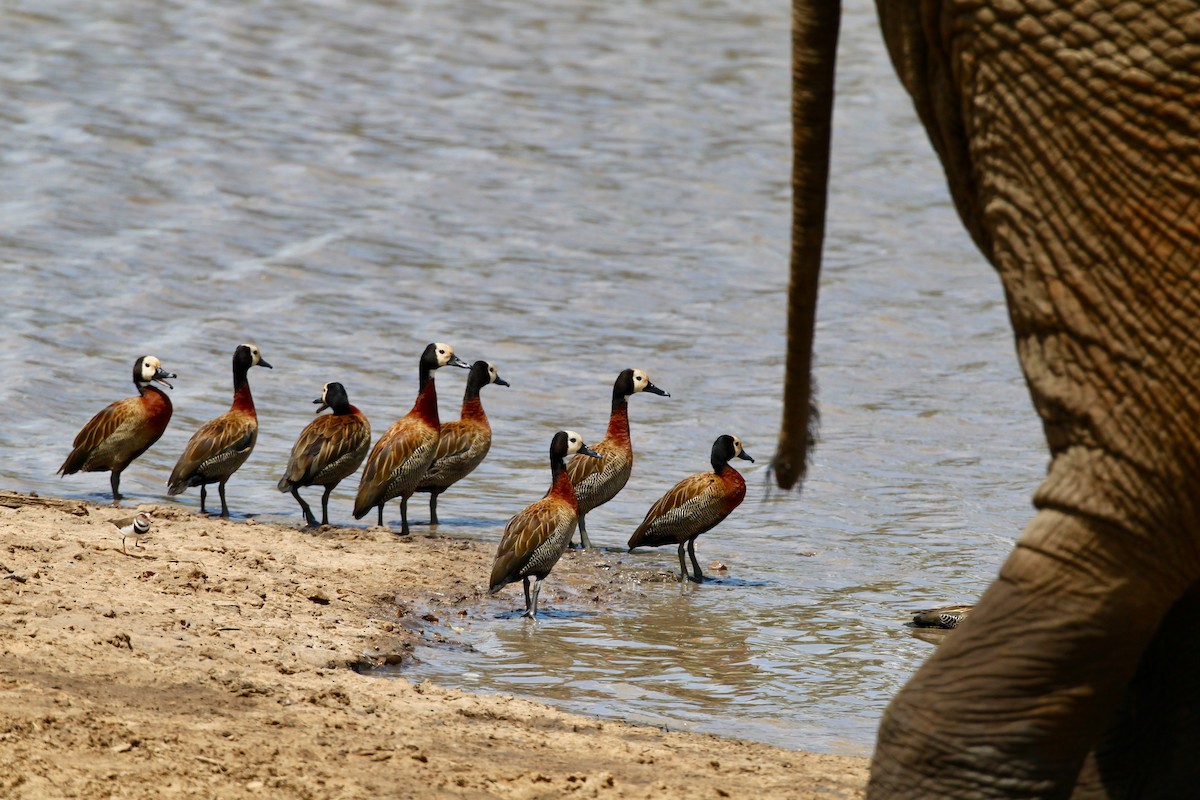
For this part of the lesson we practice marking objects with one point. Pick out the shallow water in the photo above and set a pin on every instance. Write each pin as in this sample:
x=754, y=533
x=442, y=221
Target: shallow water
x=565, y=189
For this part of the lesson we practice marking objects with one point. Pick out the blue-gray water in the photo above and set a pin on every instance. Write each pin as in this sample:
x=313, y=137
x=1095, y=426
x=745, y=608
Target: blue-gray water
x=566, y=189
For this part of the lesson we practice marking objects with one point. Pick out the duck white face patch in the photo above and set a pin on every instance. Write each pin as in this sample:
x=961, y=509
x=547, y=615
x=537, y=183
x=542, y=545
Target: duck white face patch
x=640, y=380
x=574, y=442
x=150, y=367
x=444, y=353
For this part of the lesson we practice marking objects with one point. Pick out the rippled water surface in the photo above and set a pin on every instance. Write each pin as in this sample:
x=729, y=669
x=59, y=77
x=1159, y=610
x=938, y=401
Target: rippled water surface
x=566, y=189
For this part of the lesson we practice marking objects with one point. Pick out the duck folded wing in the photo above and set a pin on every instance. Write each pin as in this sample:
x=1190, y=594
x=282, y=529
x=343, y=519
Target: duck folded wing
x=457, y=446
x=524, y=536
x=216, y=442
x=399, y=446
x=692, y=506
x=106, y=424
x=323, y=448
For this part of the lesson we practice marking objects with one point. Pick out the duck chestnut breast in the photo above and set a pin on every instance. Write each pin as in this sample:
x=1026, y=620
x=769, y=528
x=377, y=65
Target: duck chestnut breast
x=123, y=430
x=404, y=452
x=695, y=505
x=535, y=538
x=222, y=444
x=597, y=482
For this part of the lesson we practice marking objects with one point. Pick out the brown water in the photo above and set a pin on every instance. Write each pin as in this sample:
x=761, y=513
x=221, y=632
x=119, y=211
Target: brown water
x=566, y=189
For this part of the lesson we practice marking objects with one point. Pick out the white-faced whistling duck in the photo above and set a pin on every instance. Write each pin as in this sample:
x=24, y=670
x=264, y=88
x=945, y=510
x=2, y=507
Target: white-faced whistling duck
x=536, y=538
x=463, y=443
x=695, y=505
x=223, y=444
x=404, y=452
x=328, y=450
x=123, y=430
x=597, y=482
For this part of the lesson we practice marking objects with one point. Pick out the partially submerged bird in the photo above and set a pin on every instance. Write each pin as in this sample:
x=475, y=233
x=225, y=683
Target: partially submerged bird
x=328, y=450
x=597, y=482
x=123, y=430
x=463, y=443
x=223, y=444
x=932, y=625
x=536, y=538
x=945, y=617
x=404, y=452
x=137, y=526
x=695, y=505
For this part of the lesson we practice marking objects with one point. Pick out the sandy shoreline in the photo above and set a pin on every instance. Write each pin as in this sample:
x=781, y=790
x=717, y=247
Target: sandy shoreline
x=218, y=661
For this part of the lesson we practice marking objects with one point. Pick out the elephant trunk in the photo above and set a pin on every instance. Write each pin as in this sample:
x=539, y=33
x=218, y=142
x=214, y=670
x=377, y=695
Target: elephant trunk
x=814, y=48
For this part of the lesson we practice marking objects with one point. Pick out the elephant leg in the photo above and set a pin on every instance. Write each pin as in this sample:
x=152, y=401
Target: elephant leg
x=1140, y=756
x=1011, y=704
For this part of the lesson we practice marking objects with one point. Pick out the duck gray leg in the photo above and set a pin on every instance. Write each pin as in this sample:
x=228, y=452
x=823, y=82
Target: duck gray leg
x=683, y=572
x=433, y=495
x=691, y=545
x=528, y=604
x=380, y=507
x=309, y=519
x=584, y=542
x=531, y=610
x=325, y=505
x=404, y=515
x=203, y=496
x=221, y=491
x=115, y=480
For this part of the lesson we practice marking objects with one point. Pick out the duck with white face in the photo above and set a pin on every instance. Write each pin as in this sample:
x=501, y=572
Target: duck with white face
x=695, y=505
x=535, y=539
x=404, y=452
x=123, y=430
x=222, y=444
x=597, y=482
x=463, y=443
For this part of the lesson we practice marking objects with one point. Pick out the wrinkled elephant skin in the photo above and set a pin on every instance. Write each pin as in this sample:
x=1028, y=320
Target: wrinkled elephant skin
x=1070, y=137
